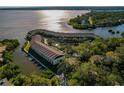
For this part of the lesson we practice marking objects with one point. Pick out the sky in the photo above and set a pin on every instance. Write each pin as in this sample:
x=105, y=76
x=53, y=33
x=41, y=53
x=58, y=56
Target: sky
x=61, y=3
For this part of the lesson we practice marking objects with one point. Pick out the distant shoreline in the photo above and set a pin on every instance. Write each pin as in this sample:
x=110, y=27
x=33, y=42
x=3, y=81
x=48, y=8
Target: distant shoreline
x=94, y=20
x=64, y=8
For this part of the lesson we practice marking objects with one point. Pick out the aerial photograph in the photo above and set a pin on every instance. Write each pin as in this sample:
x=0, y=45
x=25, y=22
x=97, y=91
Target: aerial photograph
x=62, y=46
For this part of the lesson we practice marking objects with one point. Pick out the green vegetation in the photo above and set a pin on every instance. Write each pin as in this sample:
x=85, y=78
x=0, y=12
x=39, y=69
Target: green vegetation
x=122, y=34
x=26, y=47
x=11, y=44
x=14, y=75
x=8, y=53
x=7, y=56
x=97, y=62
x=97, y=19
x=9, y=71
x=34, y=80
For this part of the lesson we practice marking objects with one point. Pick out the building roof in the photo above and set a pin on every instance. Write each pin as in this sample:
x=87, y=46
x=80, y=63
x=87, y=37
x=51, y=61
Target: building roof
x=45, y=50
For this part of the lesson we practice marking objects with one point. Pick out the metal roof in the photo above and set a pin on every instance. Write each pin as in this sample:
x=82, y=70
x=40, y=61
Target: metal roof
x=45, y=50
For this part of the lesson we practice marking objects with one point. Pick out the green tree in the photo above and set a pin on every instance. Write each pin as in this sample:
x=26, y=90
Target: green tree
x=21, y=80
x=86, y=74
x=72, y=82
x=39, y=81
x=7, y=56
x=11, y=44
x=114, y=79
x=9, y=71
x=122, y=34
x=55, y=81
x=112, y=43
x=98, y=47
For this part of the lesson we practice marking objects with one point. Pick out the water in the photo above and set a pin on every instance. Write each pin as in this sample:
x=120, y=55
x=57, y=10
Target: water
x=15, y=24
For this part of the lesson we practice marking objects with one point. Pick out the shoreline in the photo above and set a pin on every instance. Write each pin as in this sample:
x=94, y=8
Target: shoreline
x=95, y=20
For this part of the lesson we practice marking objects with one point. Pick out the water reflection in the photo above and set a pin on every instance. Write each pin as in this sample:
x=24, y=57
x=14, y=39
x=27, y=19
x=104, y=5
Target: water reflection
x=56, y=20
x=51, y=19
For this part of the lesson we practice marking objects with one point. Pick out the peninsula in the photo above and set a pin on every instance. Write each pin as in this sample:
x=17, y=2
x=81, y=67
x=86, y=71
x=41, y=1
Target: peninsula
x=97, y=19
